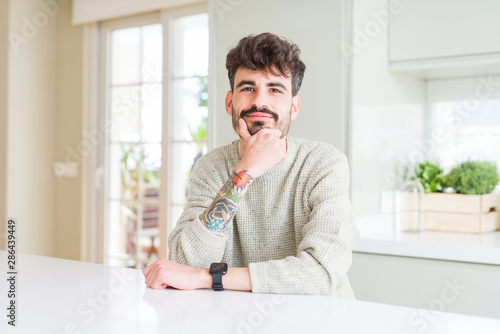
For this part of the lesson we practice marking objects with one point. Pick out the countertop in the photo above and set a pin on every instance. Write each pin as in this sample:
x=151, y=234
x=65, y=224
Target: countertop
x=377, y=236
x=62, y=296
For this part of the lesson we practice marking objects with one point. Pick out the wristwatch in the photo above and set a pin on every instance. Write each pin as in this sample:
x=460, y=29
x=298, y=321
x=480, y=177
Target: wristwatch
x=217, y=269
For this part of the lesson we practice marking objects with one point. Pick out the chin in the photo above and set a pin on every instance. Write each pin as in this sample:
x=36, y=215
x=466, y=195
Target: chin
x=256, y=127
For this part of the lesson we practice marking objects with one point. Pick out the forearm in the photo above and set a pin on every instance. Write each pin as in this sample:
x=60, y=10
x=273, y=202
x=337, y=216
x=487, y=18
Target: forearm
x=165, y=273
x=302, y=274
x=199, y=240
x=218, y=216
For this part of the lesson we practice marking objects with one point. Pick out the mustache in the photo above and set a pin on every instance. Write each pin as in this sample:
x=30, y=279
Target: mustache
x=262, y=110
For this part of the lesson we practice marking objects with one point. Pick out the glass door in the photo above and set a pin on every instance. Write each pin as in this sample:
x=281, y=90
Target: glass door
x=156, y=111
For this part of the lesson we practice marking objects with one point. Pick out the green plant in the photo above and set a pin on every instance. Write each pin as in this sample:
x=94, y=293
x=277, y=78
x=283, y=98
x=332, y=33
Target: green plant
x=202, y=94
x=129, y=172
x=473, y=177
x=430, y=175
x=199, y=133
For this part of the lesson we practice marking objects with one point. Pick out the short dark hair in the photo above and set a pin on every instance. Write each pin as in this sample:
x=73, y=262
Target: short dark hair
x=267, y=52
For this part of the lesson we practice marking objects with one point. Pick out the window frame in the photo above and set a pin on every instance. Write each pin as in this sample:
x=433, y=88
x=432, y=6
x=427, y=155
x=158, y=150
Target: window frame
x=167, y=18
x=94, y=178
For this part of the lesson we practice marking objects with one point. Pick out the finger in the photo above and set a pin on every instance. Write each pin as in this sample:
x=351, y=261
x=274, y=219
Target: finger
x=275, y=132
x=158, y=285
x=243, y=129
x=147, y=269
x=157, y=282
x=147, y=278
x=151, y=277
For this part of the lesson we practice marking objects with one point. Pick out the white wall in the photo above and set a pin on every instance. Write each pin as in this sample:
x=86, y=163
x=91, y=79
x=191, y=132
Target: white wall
x=4, y=26
x=317, y=28
x=388, y=110
x=30, y=141
x=68, y=133
x=43, y=117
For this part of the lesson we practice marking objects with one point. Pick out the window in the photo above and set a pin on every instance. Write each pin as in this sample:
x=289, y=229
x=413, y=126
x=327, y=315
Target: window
x=134, y=143
x=464, y=121
x=156, y=106
x=189, y=84
x=467, y=134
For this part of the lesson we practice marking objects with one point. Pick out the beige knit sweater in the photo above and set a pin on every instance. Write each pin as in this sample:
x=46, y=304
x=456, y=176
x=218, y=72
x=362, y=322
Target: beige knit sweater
x=293, y=228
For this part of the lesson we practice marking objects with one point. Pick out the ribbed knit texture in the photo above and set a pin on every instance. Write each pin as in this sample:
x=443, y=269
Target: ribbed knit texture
x=293, y=229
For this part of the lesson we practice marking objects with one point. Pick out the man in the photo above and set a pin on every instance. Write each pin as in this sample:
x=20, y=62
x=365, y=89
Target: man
x=275, y=209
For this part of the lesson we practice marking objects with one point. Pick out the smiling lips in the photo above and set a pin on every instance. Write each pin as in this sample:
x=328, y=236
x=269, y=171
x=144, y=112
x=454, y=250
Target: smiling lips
x=258, y=115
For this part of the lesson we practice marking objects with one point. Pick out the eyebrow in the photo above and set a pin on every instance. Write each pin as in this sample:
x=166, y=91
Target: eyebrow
x=269, y=84
x=245, y=82
x=276, y=84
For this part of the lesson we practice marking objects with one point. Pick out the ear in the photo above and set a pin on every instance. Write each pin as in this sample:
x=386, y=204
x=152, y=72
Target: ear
x=295, y=107
x=229, y=103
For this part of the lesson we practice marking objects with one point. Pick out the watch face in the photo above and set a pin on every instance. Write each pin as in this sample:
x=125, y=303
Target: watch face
x=218, y=268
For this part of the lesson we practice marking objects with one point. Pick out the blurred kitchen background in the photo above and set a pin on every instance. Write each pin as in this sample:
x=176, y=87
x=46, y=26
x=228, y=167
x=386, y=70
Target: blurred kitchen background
x=106, y=105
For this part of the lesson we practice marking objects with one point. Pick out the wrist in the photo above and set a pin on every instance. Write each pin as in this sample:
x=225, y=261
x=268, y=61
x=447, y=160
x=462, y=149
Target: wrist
x=204, y=278
x=242, y=166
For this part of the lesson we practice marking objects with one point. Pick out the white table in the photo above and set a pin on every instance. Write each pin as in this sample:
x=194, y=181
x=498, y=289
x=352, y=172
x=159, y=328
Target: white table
x=61, y=296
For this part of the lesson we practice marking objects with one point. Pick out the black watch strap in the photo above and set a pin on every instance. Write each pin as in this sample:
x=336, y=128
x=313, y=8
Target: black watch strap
x=217, y=282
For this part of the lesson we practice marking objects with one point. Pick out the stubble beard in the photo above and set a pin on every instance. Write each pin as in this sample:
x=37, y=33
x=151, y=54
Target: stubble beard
x=256, y=126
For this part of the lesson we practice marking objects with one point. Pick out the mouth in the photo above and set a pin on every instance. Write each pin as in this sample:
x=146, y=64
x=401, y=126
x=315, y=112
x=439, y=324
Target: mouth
x=259, y=115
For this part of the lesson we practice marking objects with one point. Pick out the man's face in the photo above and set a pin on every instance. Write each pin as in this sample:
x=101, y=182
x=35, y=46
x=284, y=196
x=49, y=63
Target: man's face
x=262, y=100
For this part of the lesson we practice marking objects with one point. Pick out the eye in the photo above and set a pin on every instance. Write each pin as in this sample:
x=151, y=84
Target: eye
x=247, y=89
x=275, y=90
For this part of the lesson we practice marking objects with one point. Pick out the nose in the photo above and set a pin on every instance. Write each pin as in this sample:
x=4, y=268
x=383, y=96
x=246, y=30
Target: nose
x=260, y=99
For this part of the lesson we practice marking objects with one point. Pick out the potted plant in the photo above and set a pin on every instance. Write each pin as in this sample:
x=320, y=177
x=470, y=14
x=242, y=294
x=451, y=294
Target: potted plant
x=462, y=200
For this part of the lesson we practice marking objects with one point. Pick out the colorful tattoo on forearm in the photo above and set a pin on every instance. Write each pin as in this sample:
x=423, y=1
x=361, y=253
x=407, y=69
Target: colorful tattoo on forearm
x=219, y=215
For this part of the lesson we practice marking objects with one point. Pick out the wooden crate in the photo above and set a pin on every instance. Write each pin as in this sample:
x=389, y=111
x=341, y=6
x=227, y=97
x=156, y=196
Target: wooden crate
x=461, y=213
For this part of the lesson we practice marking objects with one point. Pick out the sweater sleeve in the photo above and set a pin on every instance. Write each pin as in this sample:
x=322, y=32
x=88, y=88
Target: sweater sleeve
x=190, y=242
x=324, y=253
